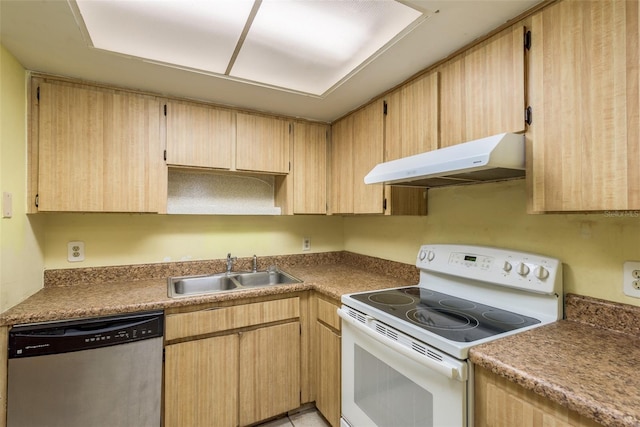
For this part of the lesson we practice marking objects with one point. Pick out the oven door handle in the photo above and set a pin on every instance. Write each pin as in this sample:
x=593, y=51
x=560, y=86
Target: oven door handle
x=440, y=366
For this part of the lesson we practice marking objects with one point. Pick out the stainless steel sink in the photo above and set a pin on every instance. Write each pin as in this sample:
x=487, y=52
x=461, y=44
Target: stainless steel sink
x=186, y=286
x=195, y=285
x=265, y=278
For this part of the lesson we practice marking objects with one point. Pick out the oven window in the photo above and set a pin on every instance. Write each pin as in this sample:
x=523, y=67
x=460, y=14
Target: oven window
x=387, y=397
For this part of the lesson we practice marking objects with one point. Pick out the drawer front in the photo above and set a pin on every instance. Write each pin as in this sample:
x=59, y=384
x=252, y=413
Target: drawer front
x=327, y=313
x=224, y=318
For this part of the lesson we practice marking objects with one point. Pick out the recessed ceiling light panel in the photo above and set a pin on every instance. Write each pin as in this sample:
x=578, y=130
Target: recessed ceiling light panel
x=307, y=46
x=198, y=34
x=311, y=45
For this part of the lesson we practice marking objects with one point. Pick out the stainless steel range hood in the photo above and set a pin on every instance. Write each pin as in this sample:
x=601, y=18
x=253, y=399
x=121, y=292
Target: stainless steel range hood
x=494, y=158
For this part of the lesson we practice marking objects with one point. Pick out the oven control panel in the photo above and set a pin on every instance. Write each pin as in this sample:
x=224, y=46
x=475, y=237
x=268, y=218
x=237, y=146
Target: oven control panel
x=515, y=269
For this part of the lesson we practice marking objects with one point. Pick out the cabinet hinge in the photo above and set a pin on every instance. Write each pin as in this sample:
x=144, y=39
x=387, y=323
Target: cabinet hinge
x=527, y=39
x=165, y=111
x=38, y=93
x=384, y=108
x=384, y=205
x=165, y=155
x=37, y=200
x=528, y=115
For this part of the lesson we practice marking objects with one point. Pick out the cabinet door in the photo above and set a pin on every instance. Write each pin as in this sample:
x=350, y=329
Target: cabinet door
x=310, y=168
x=262, y=144
x=482, y=90
x=368, y=149
x=199, y=135
x=501, y=403
x=328, y=394
x=201, y=383
x=270, y=372
x=411, y=120
x=585, y=137
x=411, y=127
x=98, y=150
x=342, y=166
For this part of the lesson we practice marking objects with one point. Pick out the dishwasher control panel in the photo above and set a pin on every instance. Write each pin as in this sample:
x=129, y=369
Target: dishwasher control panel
x=66, y=336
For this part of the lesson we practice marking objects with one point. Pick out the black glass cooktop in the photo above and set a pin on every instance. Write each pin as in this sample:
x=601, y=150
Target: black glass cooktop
x=456, y=319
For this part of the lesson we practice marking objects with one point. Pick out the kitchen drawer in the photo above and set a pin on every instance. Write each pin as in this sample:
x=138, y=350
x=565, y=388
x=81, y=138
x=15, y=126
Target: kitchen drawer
x=219, y=319
x=327, y=313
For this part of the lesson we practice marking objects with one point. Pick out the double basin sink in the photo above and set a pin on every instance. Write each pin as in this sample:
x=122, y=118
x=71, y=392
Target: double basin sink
x=186, y=286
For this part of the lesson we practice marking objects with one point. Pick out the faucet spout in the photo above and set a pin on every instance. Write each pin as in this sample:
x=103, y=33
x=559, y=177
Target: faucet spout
x=230, y=261
x=255, y=263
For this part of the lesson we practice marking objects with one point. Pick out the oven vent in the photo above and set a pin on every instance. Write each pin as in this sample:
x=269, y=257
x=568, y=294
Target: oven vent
x=357, y=316
x=425, y=351
x=387, y=332
x=408, y=342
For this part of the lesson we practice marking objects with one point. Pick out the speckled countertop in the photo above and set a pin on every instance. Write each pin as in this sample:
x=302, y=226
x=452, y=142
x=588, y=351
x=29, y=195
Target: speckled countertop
x=588, y=363
x=123, y=289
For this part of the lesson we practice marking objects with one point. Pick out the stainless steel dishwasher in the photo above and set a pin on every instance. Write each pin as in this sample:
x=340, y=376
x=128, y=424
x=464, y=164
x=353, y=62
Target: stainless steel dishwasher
x=103, y=371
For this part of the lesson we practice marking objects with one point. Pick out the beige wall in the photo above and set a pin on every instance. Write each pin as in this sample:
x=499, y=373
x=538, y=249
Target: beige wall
x=21, y=263
x=116, y=239
x=592, y=247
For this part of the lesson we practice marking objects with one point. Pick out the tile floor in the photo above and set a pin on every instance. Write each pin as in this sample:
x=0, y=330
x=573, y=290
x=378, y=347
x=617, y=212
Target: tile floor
x=307, y=418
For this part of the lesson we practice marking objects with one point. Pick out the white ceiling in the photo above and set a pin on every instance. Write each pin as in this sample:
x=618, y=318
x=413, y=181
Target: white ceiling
x=44, y=37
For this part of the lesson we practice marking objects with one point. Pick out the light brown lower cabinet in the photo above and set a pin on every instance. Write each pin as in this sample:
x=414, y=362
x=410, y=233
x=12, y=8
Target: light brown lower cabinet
x=269, y=372
x=328, y=341
x=201, y=382
x=502, y=403
x=248, y=372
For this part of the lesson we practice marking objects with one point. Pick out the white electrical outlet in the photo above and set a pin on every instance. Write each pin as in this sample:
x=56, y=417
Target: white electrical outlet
x=631, y=278
x=306, y=244
x=75, y=251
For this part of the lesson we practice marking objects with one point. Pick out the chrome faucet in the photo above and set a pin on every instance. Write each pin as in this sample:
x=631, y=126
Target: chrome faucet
x=255, y=263
x=230, y=261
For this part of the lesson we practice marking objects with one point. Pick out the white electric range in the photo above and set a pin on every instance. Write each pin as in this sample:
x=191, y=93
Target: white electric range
x=404, y=350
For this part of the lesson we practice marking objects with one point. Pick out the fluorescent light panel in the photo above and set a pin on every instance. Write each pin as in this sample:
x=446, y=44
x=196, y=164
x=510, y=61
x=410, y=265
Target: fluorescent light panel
x=306, y=46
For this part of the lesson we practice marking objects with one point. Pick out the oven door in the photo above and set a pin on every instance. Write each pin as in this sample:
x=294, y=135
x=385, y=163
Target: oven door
x=391, y=380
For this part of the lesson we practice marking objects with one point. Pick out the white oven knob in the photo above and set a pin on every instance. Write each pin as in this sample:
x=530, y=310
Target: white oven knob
x=522, y=269
x=540, y=272
x=428, y=255
x=507, y=266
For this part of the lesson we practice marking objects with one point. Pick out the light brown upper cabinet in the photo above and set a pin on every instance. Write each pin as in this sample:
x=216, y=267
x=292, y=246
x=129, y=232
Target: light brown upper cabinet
x=199, y=135
x=95, y=149
x=584, y=142
x=310, y=168
x=368, y=150
x=356, y=147
x=341, y=163
x=483, y=90
x=262, y=143
x=411, y=118
x=411, y=127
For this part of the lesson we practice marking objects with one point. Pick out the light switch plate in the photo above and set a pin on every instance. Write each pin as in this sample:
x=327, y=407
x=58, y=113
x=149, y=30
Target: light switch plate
x=631, y=278
x=7, y=205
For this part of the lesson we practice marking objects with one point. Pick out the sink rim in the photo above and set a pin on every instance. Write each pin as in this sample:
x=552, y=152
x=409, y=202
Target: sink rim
x=232, y=276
